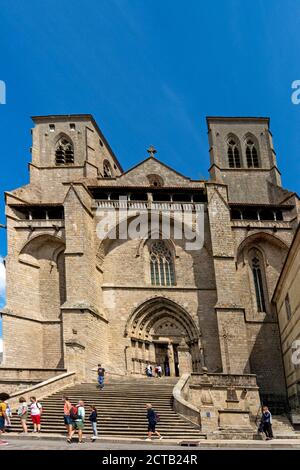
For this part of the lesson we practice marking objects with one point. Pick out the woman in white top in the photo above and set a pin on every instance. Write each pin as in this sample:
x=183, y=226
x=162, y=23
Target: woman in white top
x=35, y=412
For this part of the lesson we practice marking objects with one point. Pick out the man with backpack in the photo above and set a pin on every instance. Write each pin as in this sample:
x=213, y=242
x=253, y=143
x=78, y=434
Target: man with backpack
x=77, y=415
x=153, y=419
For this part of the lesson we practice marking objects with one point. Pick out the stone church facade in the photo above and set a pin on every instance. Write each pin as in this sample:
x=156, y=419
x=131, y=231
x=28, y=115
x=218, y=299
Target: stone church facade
x=75, y=299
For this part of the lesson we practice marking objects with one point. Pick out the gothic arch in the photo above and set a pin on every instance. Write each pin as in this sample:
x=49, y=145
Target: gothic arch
x=158, y=329
x=257, y=265
x=31, y=247
x=251, y=137
x=255, y=239
x=159, y=236
x=42, y=260
x=107, y=169
x=62, y=135
x=110, y=237
x=144, y=317
x=64, y=149
x=104, y=244
x=236, y=161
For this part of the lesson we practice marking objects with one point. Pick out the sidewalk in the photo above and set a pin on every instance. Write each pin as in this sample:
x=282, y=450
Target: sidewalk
x=52, y=441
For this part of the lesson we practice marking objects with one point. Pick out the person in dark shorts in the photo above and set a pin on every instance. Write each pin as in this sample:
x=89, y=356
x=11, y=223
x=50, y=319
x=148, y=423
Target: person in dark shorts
x=67, y=418
x=77, y=414
x=152, y=422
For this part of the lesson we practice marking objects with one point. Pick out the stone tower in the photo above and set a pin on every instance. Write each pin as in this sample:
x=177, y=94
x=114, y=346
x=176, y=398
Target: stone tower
x=242, y=156
x=252, y=220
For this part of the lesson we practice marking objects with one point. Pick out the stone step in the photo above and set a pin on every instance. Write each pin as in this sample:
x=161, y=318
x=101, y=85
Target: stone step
x=166, y=429
x=141, y=407
x=128, y=420
x=137, y=400
x=281, y=423
x=119, y=392
x=131, y=435
x=108, y=419
x=121, y=409
x=102, y=407
x=117, y=431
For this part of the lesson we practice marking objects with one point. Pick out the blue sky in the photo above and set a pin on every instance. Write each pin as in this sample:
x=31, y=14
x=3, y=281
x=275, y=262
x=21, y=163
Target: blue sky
x=149, y=72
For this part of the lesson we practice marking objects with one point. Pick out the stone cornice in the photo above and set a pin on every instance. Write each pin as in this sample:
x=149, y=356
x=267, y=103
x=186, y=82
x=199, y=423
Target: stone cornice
x=81, y=309
x=7, y=313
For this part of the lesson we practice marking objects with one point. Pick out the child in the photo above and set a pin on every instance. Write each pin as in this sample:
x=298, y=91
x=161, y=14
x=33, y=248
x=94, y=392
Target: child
x=8, y=416
x=93, y=420
x=35, y=412
x=23, y=413
x=266, y=423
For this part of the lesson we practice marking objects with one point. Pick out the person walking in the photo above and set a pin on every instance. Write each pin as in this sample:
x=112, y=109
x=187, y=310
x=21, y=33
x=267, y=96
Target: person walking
x=67, y=417
x=266, y=423
x=77, y=414
x=23, y=414
x=35, y=412
x=101, y=375
x=153, y=419
x=93, y=420
x=159, y=371
x=3, y=415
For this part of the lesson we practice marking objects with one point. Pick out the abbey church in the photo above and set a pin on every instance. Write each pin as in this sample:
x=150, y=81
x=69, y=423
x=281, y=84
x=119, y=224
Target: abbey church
x=76, y=298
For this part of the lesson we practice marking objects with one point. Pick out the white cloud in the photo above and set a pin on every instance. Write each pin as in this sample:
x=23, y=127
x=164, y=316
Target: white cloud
x=2, y=280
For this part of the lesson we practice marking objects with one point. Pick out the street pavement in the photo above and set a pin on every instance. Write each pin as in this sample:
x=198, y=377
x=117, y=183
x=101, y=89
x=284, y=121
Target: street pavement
x=39, y=443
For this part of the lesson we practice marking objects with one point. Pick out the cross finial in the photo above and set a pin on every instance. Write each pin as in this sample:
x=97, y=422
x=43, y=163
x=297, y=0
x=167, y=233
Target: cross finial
x=151, y=150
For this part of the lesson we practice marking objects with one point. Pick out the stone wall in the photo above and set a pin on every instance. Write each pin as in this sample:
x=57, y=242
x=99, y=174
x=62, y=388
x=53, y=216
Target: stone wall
x=286, y=300
x=13, y=379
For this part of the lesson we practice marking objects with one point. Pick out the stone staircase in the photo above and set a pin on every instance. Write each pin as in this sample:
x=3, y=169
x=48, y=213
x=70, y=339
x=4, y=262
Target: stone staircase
x=282, y=428
x=121, y=409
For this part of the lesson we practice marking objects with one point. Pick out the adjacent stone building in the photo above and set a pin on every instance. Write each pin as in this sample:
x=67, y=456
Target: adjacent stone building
x=76, y=297
x=287, y=301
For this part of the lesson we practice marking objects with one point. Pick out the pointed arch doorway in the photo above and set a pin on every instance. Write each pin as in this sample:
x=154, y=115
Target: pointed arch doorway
x=163, y=333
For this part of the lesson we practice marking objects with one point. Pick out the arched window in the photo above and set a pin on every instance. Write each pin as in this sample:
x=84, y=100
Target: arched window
x=64, y=152
x=155, y=180
x=258, y=283
x=161, y=265
x=107, y=173
x=233, y=153
x=251, y=154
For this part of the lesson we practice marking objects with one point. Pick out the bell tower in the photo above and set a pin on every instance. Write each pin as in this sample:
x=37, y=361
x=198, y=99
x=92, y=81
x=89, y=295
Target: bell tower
x=242, y=156
x=68, y=147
